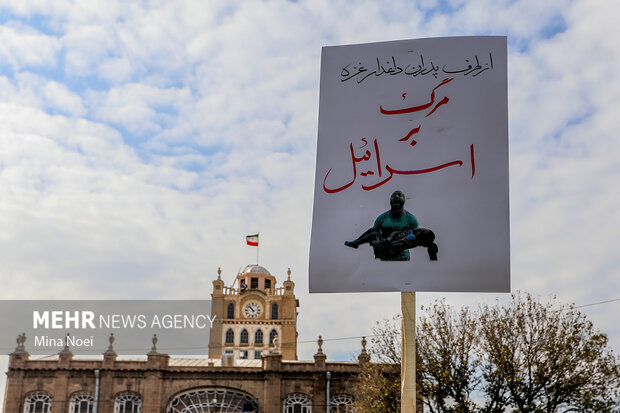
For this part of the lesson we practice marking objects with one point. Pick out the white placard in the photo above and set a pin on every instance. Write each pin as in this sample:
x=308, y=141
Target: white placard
x=428, y=117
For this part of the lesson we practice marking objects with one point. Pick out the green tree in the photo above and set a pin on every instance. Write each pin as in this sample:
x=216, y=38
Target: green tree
x=527, y=356
x=447, y=363
x=378, y=386
x=545, y=357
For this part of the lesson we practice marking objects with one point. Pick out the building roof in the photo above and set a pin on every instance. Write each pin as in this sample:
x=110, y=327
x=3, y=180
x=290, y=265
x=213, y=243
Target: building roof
x=201, y=362
x=255, y=269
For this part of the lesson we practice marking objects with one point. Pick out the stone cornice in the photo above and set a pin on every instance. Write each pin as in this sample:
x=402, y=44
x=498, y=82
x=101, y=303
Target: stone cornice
x=253, y=321
x=137, y=367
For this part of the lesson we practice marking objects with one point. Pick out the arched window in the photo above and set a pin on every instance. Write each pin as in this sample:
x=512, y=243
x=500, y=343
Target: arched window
x=39, y=402
x=213, y=400
x=258, y=338
x=297, y=403
x=275, y=311
x=82, y=403
x=244, y=337
x=230, y=310
x=230, y=336
x=128, y=402
x=341, y=403
x=272, y=336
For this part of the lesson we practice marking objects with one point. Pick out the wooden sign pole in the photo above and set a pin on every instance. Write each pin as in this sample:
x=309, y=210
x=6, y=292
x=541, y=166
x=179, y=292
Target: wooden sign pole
x=408, y=354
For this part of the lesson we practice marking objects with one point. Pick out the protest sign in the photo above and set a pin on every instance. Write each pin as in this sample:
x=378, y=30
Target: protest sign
x=428, y=118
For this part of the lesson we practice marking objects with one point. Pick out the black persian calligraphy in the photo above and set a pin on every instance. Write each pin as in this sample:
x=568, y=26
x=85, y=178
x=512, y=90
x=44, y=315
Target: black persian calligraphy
x=380, y=67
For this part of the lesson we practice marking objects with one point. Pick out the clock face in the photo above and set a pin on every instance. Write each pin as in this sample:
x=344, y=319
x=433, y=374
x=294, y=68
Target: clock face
x=252, y=309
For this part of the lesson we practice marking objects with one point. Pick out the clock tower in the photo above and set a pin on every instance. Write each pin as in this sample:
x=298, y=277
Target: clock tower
x=255, y=318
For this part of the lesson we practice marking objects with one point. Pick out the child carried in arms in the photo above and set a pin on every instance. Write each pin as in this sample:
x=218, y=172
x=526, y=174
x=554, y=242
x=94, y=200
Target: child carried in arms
x=395, y=232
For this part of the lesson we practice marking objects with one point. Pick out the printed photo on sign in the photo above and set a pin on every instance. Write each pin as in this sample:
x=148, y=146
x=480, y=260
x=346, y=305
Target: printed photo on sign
x=395, y=232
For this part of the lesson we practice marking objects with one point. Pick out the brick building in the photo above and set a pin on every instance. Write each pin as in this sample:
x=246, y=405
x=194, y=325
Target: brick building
x=252, y=366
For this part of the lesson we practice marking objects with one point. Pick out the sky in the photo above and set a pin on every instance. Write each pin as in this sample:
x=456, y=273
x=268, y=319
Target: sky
x=140, y=141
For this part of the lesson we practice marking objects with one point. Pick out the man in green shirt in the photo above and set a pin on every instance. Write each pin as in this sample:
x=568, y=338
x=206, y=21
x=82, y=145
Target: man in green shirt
x=395, y=232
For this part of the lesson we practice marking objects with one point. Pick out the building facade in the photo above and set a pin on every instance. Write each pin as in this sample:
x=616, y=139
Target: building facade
x=253, y=317
x=242, y=374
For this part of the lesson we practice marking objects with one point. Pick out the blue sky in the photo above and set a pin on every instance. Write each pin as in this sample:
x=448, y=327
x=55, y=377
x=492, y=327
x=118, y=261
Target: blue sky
x=141, y=141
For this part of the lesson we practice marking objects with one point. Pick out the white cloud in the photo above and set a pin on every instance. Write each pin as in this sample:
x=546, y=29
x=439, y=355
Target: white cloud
x=63, y=99
x=116, y=70
x=86, y=46
x=222, y=101
x=137, y=107
x=22, y=46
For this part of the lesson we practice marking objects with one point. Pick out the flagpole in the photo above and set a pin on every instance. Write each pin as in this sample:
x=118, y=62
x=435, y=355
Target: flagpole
x=257, y=247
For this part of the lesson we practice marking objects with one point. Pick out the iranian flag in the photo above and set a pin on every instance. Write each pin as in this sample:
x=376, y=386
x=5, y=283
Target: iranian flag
x=252, y=240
